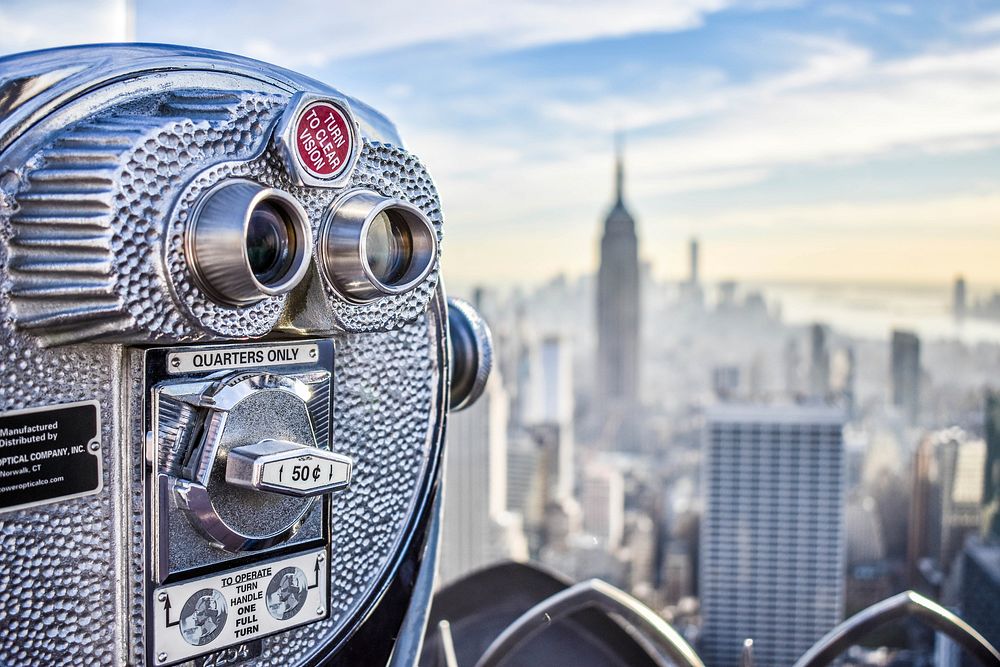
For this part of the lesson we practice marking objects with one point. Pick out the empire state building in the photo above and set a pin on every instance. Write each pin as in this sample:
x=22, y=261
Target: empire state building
x=618, y=305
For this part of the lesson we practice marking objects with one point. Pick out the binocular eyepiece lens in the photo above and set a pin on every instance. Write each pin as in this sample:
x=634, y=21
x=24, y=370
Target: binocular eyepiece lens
x=389, y=247
x=373, y=246
x=246, y=242
x=269, y=235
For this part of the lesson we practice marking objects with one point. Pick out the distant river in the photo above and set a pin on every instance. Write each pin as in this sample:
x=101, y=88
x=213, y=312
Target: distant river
x=873, y=311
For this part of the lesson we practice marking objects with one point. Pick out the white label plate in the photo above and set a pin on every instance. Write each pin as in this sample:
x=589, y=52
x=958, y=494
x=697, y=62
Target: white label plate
x=208, y=359
x=306, y=473
x=211, y=613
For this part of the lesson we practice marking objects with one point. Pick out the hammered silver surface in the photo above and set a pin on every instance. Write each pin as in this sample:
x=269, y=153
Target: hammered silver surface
x=385, y=408
x=73, y=583
x=89, y=219
x=386, y=405
x=100, y=212
x=385, y=169
x=56, y=597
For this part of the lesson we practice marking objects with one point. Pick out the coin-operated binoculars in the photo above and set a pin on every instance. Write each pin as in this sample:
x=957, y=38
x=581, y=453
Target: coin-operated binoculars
x=226, y=366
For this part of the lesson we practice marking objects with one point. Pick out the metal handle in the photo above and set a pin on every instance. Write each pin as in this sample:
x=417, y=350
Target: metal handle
x=899, y=606
x=590, y=593
x=288, y=468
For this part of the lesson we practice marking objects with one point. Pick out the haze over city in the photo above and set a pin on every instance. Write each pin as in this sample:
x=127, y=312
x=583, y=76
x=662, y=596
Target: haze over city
x=739, y=264
x=833, y=141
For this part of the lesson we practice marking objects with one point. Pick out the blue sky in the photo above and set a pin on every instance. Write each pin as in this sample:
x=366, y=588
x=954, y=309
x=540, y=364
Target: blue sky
x=816, y=140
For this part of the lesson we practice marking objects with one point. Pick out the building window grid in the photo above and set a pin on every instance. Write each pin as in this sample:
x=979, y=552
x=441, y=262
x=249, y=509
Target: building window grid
x=799, y=462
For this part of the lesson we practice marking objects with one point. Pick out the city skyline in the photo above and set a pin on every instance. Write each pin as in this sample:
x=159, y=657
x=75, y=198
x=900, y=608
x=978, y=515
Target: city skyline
x=751, y=452
x=865, y=132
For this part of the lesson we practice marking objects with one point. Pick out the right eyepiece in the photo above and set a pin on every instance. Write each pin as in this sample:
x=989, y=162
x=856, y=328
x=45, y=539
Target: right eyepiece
x=373, y=246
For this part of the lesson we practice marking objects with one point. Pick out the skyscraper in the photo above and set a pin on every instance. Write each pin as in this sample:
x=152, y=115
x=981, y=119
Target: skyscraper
x=906, y=374
x=691, y=289
x=618, y=304
x=602, y=500
x=959, y=300
x=550, y=413
x=819, y=362
x=923, y=526
x=961, y=464
x=945, y=503
x=693, y=261
x=477, y=528
x=772, y=537
x=980, y=586
x=991, y=475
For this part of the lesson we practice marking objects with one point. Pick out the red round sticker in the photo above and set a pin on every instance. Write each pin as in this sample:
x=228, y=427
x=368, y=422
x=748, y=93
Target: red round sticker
x=323, y=139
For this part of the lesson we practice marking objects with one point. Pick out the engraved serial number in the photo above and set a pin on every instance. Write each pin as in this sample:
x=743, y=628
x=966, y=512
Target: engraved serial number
x=233, y=655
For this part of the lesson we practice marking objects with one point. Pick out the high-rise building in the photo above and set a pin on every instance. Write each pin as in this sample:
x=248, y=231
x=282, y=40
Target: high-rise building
x=602, y=499
x=946, y=503
x=678, y=572
x=525, y=479
x=819, y=362
x=691, y=291
x=693, y=278
x=550, y=413
x=924, y=525
x=961, y=463
x=868, y=572
x=772, y=537
x=849, y=389
x=792, y=361
x=639, y=546
x=726, y=382
x=980, y=585
x=477, y=528
x=906, y=374
x=991, y=475
x=959, y=298
x=980, y=591
x=552, y=377
x=618, y=305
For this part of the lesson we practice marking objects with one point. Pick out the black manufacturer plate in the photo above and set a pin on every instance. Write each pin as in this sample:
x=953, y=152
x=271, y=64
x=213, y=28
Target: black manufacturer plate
x=49, y=454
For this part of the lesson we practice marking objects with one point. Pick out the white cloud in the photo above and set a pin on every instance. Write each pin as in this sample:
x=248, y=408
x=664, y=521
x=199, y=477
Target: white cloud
x=870, y=13
x=30, y=25
x=984, y=25
x=839, y=106
x=967, y=214
x=306, y=34
x=523, y=192
x=870, y=111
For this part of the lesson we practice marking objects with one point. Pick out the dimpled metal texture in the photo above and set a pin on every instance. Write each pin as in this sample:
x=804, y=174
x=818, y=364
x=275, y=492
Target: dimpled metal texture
x=383, y=418
x=385, y=411
x=385, y=169
x=57, y=603
x=96, y=199
x=91, y=204
x=395, y=173
x=68, y=595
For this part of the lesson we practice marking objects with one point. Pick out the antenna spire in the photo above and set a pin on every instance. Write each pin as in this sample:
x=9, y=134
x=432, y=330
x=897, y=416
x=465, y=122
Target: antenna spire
x=619, y=168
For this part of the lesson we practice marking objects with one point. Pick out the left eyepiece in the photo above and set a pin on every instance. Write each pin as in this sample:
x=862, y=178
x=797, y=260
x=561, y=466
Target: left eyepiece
x=246, y=242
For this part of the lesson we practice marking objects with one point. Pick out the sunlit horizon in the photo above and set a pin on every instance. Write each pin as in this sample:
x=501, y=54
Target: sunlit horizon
x=799, y=141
